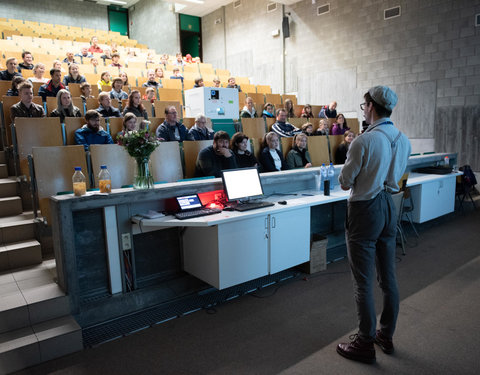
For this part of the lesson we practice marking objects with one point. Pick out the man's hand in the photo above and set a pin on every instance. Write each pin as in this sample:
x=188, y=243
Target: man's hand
x=224, y=151
x=308, y=165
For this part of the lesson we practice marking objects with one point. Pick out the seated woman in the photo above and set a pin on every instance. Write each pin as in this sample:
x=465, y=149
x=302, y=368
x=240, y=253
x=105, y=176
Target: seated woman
x=271, y=159
x=199, y=131
x=117, y=92
x=135, y=105
x=150, y=94
x=38, y=74
x=298, y=156
x=342, y=149
x=86, y=91
x=340, y=125
x=104, y=80
x=176, y=74
x=307, y=129
x=159, y=73
x=289, y=108
x=65, y=107
x=129, y=123
x=307, y=111
x=13, y=91
x=124, y=77
x=268, y=111
x=238, y=145
x=57, y=64
x=322, y=127
x=73, y=75
x=248, y=110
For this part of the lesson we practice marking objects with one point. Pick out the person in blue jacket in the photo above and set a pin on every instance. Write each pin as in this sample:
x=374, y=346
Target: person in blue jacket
x=92, y=133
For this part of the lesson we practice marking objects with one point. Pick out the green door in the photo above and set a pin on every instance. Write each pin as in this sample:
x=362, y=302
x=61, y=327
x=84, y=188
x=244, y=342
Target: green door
x=118, y=20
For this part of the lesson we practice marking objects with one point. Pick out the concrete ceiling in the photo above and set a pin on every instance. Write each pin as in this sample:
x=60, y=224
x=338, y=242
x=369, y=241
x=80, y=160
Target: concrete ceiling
x=197, y=8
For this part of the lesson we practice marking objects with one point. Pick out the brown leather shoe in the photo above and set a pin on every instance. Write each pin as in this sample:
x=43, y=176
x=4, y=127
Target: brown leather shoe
x=357, y=350
x=384, y=343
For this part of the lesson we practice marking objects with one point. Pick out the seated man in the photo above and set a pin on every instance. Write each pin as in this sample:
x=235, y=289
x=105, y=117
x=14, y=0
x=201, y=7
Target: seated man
x=105, y=108
x=233, y=85
x=179, y=61
x=52, y=87
x=171, y=129
x=11, y=71
x=107, y=54
x=151, y=80
x=329, y=111
x=283, y=128
x=26, y=107
x=27, y=61
x=176, y=74
x=211, y=161
x=95, y=48
x=70, y=59
x=198, y=82
x=199, y=131
x=91, y=133
x=84, y=53
x=115, y=60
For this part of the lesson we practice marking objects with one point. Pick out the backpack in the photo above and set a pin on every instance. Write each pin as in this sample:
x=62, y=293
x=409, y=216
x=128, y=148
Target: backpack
x=468, y=177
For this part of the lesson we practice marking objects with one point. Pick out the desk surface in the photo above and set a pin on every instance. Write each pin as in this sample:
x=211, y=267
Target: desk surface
x=422, y=178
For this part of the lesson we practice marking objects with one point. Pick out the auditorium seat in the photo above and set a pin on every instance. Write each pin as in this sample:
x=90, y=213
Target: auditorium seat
x=188, y=122
x=264, y=89
x=258, y=99
x=297, y=121
x=253, y=127
x=172, y=83
x=247, y=87
x=171, y=95
x=318, y=150
x=160, y=106
x=189, y=83
x=5, y=86
x=292, y=97
x=286, y=145
x=190, y=151
x=334, y=141
x=120, y=164
x=297, y=109
x=71, y=124
x=275, y=99
x=167, y=162
x=7, y=102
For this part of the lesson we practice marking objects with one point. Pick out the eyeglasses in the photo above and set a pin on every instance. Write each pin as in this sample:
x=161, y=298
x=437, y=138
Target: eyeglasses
x=362, y=106
x=172, y=113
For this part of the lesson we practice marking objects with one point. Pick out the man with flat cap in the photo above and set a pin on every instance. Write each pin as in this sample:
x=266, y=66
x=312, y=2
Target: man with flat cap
x=376, y=161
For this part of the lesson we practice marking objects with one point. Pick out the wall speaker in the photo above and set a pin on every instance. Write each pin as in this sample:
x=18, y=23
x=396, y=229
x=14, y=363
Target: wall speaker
x=285, y=27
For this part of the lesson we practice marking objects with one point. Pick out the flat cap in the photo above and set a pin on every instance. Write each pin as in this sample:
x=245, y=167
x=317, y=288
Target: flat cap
x=384, y=96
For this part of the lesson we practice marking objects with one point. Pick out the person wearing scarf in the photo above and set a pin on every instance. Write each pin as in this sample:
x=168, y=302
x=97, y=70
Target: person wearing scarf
x=298, y=156
x=248, y=110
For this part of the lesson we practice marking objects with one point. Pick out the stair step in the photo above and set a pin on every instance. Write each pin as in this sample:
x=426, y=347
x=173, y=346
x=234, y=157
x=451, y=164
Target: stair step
x=3, y=171
x=15, y=231
x=8, y=187
x=42, y=342
x=10, y=206
x=20, y=254
x=25, y=215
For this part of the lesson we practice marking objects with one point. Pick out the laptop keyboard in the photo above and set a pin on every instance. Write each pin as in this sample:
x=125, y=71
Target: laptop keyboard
x=252, y=205
x=197, y=213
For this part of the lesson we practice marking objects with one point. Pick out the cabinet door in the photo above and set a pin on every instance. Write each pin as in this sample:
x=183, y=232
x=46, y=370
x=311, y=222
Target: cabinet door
x=433, y=199
x=289, y=239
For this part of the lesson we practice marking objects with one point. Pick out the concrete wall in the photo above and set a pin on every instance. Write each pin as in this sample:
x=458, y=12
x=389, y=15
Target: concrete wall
x=154, y=24
x=430, y=55
x=61, y=12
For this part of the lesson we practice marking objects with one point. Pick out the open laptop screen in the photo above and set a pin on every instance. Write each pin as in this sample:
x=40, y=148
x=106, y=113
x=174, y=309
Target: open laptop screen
x=241, y=184
x=187, y=202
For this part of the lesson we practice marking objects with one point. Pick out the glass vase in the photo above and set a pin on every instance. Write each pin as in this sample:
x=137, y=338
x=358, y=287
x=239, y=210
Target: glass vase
x=143, y=177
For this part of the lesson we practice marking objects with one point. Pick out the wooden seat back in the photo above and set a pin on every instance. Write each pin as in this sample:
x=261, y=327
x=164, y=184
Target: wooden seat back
x=253, y=127
x=71, y=125
x=119, y=163
x=334, y=141
x=167, y=162
x=7, y=102
x=318, y=150
x=160, y=106
x=286, y=144
x=191, y=150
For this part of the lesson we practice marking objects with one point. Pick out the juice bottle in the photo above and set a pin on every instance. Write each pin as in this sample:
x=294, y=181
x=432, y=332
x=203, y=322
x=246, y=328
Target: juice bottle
x=79, y=183
x=104, y=180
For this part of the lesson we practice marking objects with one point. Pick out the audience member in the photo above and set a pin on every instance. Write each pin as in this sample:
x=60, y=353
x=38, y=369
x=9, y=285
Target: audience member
x=135, y=105
x=289, y=108
x=329, y=111
x=115, y=61
x=212, y=160
x=164, y=59
x=239, y=146
x=188, y=59
x=248, y=110
x=233, y=85
x=298, y=156
x=105, y=108
x=113, y=47
x=58, y=65
x=171, y=129
x=73, y=75
x=150, y=95
x=307, y=111
x=199, y=131
x=216, y=82
x=151, y=82
x=131, y=56
x=13, y=91
x=340, y=125
x=92, y=133
x=307, y=129
x=86, y=91
x=27, y=61
x=70, y=59
x=107, y=55
x=94, y=47
x=105, y=80
x=342, y=149
x=268, y=111
x=198, y=82
x=117, y=92
x=124, y=77
x=94, y=62
x=322, y=128
x=52, y=87
x=176, y=74
x=129, y=122
x=283, y=128
x=150, y=58
x=84, y=53
x=159, y=73
x=26, y=107
x=38, y=74
x=11, y=71
x=65, y=107
x=271, y=159
x=179, y=61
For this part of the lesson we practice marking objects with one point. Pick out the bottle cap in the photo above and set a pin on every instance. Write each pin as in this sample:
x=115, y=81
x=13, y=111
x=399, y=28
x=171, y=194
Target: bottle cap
x=103, y=167
x=78, y=168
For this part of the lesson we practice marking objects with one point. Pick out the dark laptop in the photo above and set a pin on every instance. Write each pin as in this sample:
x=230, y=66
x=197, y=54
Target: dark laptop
x=190, y=206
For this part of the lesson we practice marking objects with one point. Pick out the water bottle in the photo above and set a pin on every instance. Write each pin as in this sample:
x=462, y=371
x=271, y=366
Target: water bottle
x=104, y=180
x=446, y=161
x=79, y=183
x=331, y=175
x=323, y=176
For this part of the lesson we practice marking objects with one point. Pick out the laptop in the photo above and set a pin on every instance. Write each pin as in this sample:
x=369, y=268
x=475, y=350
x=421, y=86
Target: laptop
x=191, y=206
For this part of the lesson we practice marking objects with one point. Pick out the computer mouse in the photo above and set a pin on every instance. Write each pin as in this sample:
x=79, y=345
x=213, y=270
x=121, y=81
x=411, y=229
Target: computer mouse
x=282, y=202
x=228, y=208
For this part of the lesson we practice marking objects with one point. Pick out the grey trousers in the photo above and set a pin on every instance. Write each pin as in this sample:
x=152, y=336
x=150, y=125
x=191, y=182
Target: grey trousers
x=370, y=231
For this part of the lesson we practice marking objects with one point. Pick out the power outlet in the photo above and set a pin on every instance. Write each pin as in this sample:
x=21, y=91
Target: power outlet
x=126, y=241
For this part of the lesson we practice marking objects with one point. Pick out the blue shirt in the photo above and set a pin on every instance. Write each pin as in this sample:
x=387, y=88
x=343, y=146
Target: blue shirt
x=86, y=137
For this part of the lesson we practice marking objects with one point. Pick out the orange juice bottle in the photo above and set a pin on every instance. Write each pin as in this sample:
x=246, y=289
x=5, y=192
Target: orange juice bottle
x=79, y=183
x=104, y=180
